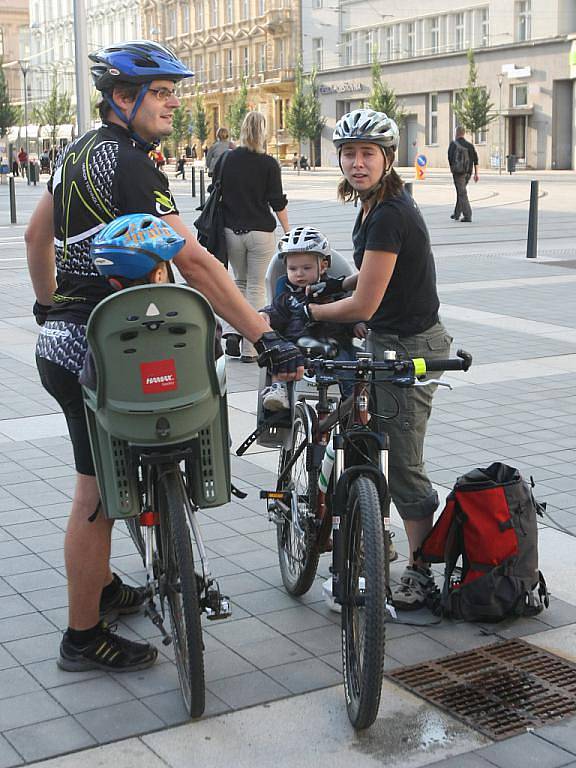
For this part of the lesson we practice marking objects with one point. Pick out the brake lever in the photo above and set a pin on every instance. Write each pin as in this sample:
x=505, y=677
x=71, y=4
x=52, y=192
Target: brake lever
x=418, y=383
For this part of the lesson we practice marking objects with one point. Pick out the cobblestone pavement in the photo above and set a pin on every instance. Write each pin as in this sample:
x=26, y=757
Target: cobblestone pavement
x=517, y=405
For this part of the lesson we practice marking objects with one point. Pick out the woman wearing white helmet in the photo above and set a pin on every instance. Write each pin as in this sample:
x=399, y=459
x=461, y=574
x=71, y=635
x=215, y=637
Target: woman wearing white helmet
x=396, y=295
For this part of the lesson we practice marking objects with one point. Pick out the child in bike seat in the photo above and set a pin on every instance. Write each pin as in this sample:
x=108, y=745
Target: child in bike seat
x=136, y=249
x=306, y=253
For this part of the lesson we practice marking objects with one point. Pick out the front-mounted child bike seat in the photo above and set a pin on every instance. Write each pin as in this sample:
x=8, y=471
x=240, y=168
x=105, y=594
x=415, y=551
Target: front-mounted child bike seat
x=277, y=270
x=158, y=385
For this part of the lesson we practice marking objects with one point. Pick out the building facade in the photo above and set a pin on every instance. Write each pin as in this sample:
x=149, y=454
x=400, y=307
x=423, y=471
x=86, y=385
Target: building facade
x=525, y=52
x=228, y=42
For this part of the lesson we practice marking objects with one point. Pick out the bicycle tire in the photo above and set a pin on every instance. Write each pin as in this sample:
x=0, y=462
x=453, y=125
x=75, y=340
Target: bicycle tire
x=363, y=616
x=298, y=558
x=181, y=590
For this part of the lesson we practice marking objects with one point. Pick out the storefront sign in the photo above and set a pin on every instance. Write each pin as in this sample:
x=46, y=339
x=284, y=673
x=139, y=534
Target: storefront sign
x=346, y=87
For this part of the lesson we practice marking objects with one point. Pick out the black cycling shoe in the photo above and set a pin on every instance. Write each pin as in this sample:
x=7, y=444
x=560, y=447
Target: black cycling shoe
x=107, y=651
x=124, y=599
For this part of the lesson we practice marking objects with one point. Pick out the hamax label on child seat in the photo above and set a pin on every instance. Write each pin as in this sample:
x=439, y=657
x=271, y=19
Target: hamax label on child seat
x=158, y=376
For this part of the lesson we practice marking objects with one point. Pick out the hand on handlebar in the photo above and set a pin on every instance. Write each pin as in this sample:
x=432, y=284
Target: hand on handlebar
x=282, y=358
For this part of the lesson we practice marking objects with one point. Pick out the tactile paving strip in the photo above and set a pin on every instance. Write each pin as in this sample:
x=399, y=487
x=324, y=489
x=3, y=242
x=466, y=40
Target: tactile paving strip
x=500, y=690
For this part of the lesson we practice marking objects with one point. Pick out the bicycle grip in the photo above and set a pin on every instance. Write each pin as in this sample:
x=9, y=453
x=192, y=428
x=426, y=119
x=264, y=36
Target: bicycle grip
x=462, y=362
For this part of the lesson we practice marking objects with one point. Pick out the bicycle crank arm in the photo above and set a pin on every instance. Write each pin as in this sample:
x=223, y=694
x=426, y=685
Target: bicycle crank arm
x=151, y=612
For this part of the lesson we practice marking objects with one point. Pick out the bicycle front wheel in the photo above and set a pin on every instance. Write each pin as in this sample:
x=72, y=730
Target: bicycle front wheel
x=181, y=590
x=363, y=609
x=296, y=537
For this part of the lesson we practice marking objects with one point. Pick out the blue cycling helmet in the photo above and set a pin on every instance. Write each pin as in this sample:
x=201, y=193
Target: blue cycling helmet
x=132, y=245
x=137, y=61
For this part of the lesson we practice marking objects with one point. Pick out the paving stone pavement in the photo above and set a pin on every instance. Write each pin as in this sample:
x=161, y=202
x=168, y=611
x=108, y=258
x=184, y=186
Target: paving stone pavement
x=517, y=405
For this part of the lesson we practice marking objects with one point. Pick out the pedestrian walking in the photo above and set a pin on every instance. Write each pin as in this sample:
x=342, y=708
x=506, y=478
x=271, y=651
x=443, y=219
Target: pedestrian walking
x=23, y=161
x=396, y=296
x=251, y=190
x=221, y=145
x=181, y=167
x=136, y=81
x=463, y=160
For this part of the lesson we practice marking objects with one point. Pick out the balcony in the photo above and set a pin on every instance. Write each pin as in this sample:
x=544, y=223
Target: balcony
x=278, y=20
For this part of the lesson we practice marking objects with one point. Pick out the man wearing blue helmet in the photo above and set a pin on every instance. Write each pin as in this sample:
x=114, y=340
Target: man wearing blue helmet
x=100, y=176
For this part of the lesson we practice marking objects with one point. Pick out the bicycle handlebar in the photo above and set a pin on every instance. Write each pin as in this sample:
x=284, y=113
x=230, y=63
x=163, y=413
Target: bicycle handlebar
x=398, y=369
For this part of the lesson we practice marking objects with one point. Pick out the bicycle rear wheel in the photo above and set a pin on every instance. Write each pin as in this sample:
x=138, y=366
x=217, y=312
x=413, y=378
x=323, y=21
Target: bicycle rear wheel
x=363, y=610
x=298, y=552
x=180, y=589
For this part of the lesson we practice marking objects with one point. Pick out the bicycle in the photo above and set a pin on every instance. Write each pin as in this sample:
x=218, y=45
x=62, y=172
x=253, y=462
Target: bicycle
x=335, y=498
x=159, y=436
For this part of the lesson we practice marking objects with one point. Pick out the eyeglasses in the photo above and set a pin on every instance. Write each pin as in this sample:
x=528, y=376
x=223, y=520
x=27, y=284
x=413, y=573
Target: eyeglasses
x=163, y=94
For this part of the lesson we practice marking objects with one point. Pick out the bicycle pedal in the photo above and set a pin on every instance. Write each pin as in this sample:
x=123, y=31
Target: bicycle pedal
x=216, y=606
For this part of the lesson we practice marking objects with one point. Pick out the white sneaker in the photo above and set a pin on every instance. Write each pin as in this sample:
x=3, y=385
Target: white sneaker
x=415, y=586
x=275, y=397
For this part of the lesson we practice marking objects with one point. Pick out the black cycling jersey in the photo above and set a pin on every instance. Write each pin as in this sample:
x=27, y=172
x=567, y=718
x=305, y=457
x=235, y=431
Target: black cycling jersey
x=410, y=304
x=98, y=177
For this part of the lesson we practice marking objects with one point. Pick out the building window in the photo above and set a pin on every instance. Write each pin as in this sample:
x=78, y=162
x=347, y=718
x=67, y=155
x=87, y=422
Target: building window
x=199, y=71
x=245, y=9
x=261, y=7
x=213, y=13
x=346, y=50
x=523, y=20
x=213, y=67
x=228, y=59
x=432, y=132
x=484, y=27
x=368, y=46
x=280, y=54
x=229, y=11
x=520, y=95
x=411, y=39
x=316, y=4
x=318, y=52
x=185, y=19
x=342, y=108
x=435, y=34
x=459, y=31
x=171, y=31
x=245, y=54
x=199, y=15
x=389, y=46
x=262, y=57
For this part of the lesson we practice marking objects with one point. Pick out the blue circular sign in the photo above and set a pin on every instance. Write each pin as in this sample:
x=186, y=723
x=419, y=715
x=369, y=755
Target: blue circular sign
x=421, y=160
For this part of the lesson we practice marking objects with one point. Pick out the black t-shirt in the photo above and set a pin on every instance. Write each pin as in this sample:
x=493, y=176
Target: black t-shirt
x=251, y=186
x=98, y=177
x=410, y=304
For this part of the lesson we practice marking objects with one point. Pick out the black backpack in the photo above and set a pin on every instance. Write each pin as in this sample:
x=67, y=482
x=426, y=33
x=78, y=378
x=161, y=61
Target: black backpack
x=490, y=521
x=460, y=159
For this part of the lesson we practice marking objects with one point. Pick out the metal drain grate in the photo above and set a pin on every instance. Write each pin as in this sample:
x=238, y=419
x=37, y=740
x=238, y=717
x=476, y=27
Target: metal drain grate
x=500, y=690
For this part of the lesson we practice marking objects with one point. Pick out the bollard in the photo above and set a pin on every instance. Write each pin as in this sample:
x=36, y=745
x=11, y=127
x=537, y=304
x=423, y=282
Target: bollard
x=202, y=190
x=12, y=201
x=532, y=245
x=408, y=188
x=193, y=181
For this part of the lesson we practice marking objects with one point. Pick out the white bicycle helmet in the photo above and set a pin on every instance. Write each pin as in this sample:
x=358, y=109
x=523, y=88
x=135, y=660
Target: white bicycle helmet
x=304, y=240
x=366, y=125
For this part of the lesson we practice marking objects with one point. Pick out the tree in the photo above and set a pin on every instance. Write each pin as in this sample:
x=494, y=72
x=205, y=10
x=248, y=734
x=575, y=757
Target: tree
x=383, y=98
x=238, y=110
x=57, y=110
x=314, y=119
x=473, y=108
x=200, y=120
x=180, y=122
x=297, y=116
x=8, y=113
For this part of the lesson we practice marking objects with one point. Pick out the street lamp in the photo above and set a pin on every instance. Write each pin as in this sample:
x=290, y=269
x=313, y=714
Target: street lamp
x=500, y=80
x=24, y=67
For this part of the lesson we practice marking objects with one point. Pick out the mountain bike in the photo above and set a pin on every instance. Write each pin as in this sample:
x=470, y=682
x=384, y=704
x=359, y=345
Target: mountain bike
x=159, y=436
x=332, y=495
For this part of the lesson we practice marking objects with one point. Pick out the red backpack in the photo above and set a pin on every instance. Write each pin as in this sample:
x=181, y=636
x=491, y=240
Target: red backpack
x=489, y=521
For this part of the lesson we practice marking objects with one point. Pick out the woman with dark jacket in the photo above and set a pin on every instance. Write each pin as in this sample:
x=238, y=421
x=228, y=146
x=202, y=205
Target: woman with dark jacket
x=251, y=192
